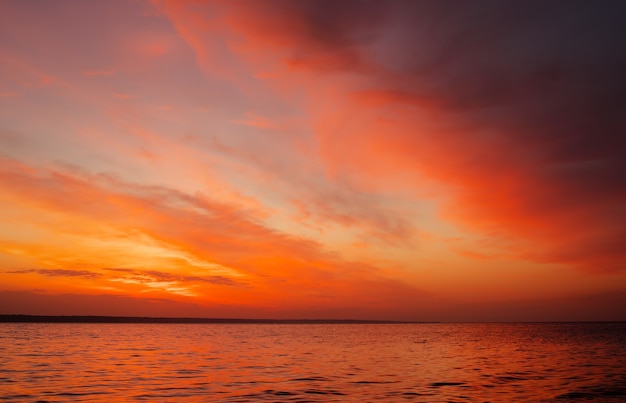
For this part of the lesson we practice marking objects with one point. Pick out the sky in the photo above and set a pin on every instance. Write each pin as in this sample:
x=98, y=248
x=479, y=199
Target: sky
x=398, y=160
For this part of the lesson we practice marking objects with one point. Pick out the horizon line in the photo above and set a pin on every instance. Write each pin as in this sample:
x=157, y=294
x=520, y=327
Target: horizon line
x=28, y=318
x=23, y=318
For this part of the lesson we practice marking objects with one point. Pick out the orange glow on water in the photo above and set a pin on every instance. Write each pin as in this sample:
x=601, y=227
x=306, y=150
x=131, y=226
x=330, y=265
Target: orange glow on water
x=199, y=362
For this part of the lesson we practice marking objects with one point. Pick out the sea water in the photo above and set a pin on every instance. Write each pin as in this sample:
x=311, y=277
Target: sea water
x=312, y=362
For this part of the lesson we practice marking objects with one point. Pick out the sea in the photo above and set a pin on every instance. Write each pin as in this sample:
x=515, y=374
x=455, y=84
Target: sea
x=436, y=362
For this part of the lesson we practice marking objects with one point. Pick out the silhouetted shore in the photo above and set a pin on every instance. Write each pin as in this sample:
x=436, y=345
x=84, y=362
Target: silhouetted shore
x=136, y=319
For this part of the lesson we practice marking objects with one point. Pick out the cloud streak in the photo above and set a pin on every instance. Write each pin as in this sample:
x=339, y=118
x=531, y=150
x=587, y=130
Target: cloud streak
x=60, y=273
x=190, y=241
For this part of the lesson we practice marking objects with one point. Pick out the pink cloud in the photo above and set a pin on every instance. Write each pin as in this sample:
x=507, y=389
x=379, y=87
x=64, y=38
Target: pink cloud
x=495, y=133
x=98, y=73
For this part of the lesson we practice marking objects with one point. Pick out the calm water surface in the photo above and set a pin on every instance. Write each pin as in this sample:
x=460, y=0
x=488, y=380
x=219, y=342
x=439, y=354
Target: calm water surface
x=311, y=363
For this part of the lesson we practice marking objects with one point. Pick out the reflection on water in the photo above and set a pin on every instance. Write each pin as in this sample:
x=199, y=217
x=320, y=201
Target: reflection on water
x=310, y=363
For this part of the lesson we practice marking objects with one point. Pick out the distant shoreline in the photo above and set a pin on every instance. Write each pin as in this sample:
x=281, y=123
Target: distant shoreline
x=139, y=319
x=20, y=318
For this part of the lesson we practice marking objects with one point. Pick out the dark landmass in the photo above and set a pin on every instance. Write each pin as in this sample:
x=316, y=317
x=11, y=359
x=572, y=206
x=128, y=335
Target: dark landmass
x=135, y=319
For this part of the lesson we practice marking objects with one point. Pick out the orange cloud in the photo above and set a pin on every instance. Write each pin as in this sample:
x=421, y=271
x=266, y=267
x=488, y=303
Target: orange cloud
x=167, y=243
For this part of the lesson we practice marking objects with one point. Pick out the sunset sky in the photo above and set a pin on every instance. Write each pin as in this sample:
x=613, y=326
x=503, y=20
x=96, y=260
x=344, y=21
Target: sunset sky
x=407, y=160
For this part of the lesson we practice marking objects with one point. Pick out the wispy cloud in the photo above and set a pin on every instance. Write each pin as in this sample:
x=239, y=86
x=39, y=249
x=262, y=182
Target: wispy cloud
x=154, y=275
x=98, y=73
x=254, y=120
x=195, y=240
x=60, y=273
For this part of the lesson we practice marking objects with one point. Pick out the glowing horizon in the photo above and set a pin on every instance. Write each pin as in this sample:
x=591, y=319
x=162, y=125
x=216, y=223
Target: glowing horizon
x=363, y=160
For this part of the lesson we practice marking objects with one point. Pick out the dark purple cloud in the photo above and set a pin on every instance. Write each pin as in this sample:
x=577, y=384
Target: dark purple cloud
x=59, y=273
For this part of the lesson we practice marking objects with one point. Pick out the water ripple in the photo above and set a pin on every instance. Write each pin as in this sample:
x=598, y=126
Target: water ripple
x=312, y=363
